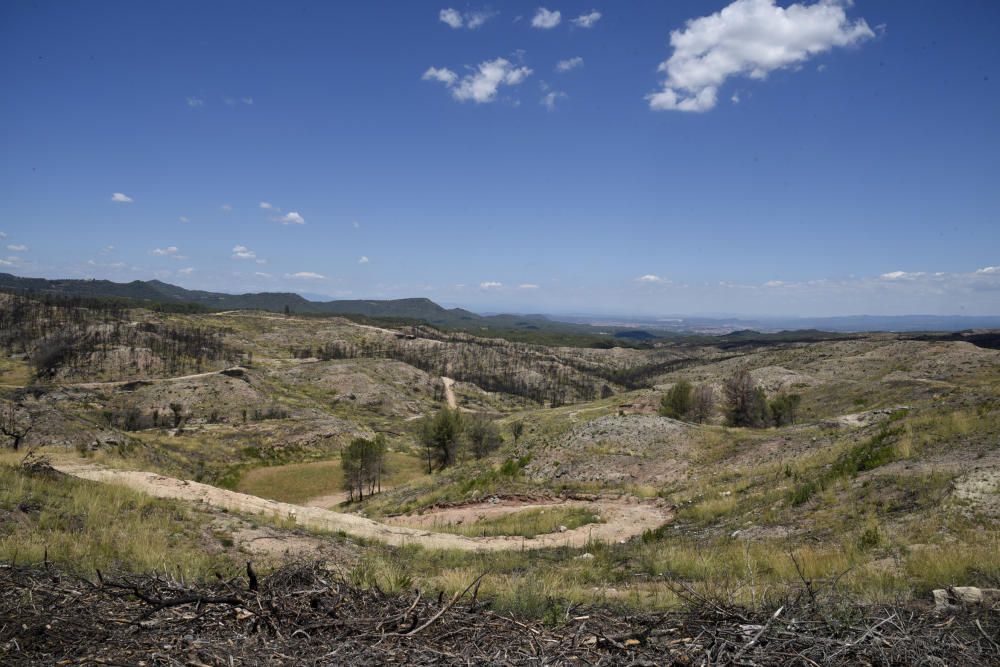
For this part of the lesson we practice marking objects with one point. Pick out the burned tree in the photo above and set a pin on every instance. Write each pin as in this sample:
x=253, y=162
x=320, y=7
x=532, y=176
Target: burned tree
x=15, y=423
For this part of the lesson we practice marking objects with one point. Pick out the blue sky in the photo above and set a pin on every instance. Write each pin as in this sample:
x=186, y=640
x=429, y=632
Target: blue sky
x=810, y=159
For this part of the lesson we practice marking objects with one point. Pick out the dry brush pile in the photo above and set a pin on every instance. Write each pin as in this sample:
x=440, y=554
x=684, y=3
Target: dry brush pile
x=304, y=614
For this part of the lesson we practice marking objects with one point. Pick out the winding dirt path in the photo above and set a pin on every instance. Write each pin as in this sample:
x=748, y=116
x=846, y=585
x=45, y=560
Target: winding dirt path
x=449, y=393
x=623, y=520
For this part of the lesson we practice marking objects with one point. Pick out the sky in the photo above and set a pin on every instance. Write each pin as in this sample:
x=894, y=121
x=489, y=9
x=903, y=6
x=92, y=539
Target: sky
x=750, y=157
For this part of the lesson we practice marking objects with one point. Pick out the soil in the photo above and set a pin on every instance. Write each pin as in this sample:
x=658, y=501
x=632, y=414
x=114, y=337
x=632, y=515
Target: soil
x=624, y=520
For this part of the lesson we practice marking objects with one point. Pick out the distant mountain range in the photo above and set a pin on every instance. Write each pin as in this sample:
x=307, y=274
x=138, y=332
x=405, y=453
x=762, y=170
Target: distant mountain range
x=636, y=329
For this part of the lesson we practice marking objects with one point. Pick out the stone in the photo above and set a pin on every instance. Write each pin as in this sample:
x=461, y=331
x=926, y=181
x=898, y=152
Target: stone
x=965, y=595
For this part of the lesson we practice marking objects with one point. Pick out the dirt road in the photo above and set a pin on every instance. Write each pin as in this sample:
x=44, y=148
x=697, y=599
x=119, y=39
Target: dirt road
x=449, y=393
x=623, y=520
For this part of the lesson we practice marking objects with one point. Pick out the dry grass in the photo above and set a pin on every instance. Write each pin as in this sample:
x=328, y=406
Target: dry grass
x=84, y=525
x=526, y=523
x=299, y=482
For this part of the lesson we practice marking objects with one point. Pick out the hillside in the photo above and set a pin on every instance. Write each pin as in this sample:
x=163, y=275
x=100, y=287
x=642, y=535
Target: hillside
x=883, y=486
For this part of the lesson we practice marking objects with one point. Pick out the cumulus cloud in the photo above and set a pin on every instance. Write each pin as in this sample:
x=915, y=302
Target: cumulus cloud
x=569, y=64
x=267, y=206
x=550, y=98
x=186, y=271
x=471, y=20
x=527, y=286
x=650, y=278
x=17, y=247
x=292, y=218
x=243, y=252
x=305, y=275
x=443, y=74
x=490, y=284
x=483, y=82
x=452, y=17
x=774, y=283
x=165, y=252
x=902, y=275
x=748, y=38
x=587, y=20
x=195, y=102
x=545, y=19
x=363, y=260
x=984, y=270
x=121, y=198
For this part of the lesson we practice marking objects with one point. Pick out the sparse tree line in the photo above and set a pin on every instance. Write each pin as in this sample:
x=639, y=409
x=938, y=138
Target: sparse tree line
x=497, y=366
x=448, y=436
x=72, y=335
x=130, y=417
x=745, y=403
x=363, y=464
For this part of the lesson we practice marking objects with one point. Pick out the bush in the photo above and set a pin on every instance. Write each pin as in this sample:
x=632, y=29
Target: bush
x=676, y=403
x=784, y=409
x=483, y=437
x=746, y=403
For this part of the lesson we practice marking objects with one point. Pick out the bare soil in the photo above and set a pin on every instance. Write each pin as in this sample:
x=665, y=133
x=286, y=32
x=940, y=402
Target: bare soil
x=630, y=519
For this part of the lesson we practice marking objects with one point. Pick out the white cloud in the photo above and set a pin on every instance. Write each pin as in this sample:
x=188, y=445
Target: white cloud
x=4, y=262
x=470, y=20
x=774, y=283
x=902, y=275
x=490, y=284
x=165, y=252
x=183, y=218
x=477, y=18
x=186, y=272
x=226, y=208
x=121, y=198
x=550, y=98
x=243, y=252
x=735, y=99
x=650, y=278
x=363, y=260
x=195, y=102
x=262, y=274
x=305, y=275
x=527, y=286
x=587, y=20
x=444, y=75
x=3, y=235
x=748, y=38
x=247, y=100
x=482, y=83
x=569, y=63
x=545, y=19
x=984, y=270
x=107, y=249
x=292, y=218
x=267, y=206
x=452, y=17
x=356, y=224
x=17, y=247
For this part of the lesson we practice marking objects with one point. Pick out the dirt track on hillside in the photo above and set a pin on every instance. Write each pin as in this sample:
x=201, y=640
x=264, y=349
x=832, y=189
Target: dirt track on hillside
x=623, y=519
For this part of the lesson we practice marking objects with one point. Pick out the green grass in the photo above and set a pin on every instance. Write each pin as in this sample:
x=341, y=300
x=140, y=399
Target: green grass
x=83, y=525
x=298, y=482
x=527, y=523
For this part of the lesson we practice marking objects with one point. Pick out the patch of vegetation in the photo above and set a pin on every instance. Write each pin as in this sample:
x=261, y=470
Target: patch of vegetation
x=84, y=525
x=526, y=523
